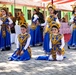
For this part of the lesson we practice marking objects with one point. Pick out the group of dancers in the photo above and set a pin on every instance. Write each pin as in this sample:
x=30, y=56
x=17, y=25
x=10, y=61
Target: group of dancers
x=41, y=32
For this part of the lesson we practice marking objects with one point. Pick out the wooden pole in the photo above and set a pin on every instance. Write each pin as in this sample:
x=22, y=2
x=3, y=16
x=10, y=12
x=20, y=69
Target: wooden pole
x=52, y=2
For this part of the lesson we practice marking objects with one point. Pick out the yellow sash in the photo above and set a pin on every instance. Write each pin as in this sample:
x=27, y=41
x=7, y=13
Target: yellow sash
x=22, y=42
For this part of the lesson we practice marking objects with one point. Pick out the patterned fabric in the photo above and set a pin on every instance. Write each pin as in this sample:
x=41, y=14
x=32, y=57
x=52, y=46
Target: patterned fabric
x=5, y=26
x=22, y=40
x=56, y=43
x=47, y=33
x=33, y=26
x=5, y=33
x=26, y=55
x=74, y=27
x=49, y=20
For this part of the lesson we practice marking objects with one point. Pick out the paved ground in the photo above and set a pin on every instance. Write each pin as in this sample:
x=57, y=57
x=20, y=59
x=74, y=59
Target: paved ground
x=36, y=67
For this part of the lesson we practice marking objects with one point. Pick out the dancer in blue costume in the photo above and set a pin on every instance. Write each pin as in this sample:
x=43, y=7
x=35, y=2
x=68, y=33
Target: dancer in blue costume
x=72, y=41
x=56, y=44
x=35, y=31
x=0, y=30
x=23, y=51
x=52, y=17
x=72, y=17
x=5, y=21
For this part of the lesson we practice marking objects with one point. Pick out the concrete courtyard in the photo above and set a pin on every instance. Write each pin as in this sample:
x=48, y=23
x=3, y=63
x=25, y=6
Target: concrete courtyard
x=38, y=67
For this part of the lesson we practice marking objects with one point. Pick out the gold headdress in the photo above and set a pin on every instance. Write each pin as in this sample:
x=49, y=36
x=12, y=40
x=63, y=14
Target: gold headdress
x=5, y=9
x=53, y=23
x=74, y=6
x=51, y=5
x=24, y=25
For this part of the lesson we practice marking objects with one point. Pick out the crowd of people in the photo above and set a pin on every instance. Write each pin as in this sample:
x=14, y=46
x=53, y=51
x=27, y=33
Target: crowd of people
x=41, y=32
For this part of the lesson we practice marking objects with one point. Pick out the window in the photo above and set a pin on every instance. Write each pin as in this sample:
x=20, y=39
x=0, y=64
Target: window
x=29, y=14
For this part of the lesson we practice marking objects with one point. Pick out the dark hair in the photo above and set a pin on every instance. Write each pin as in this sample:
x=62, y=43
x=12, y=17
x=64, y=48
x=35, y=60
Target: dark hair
x=5, y=9
x=35, y=13
x=63, y=19
x=35, y=10
x=74, y=10
x=54, y=27
x=50, y=7
x=23, y=26
x=55, y=12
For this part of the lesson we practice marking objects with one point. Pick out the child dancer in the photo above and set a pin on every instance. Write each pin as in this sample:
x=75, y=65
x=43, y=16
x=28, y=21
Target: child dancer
x=23, y=51
x=56, y=44
x=52, y=17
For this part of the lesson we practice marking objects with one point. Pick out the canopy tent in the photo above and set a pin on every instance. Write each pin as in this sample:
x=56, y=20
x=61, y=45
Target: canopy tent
x=60, y=4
